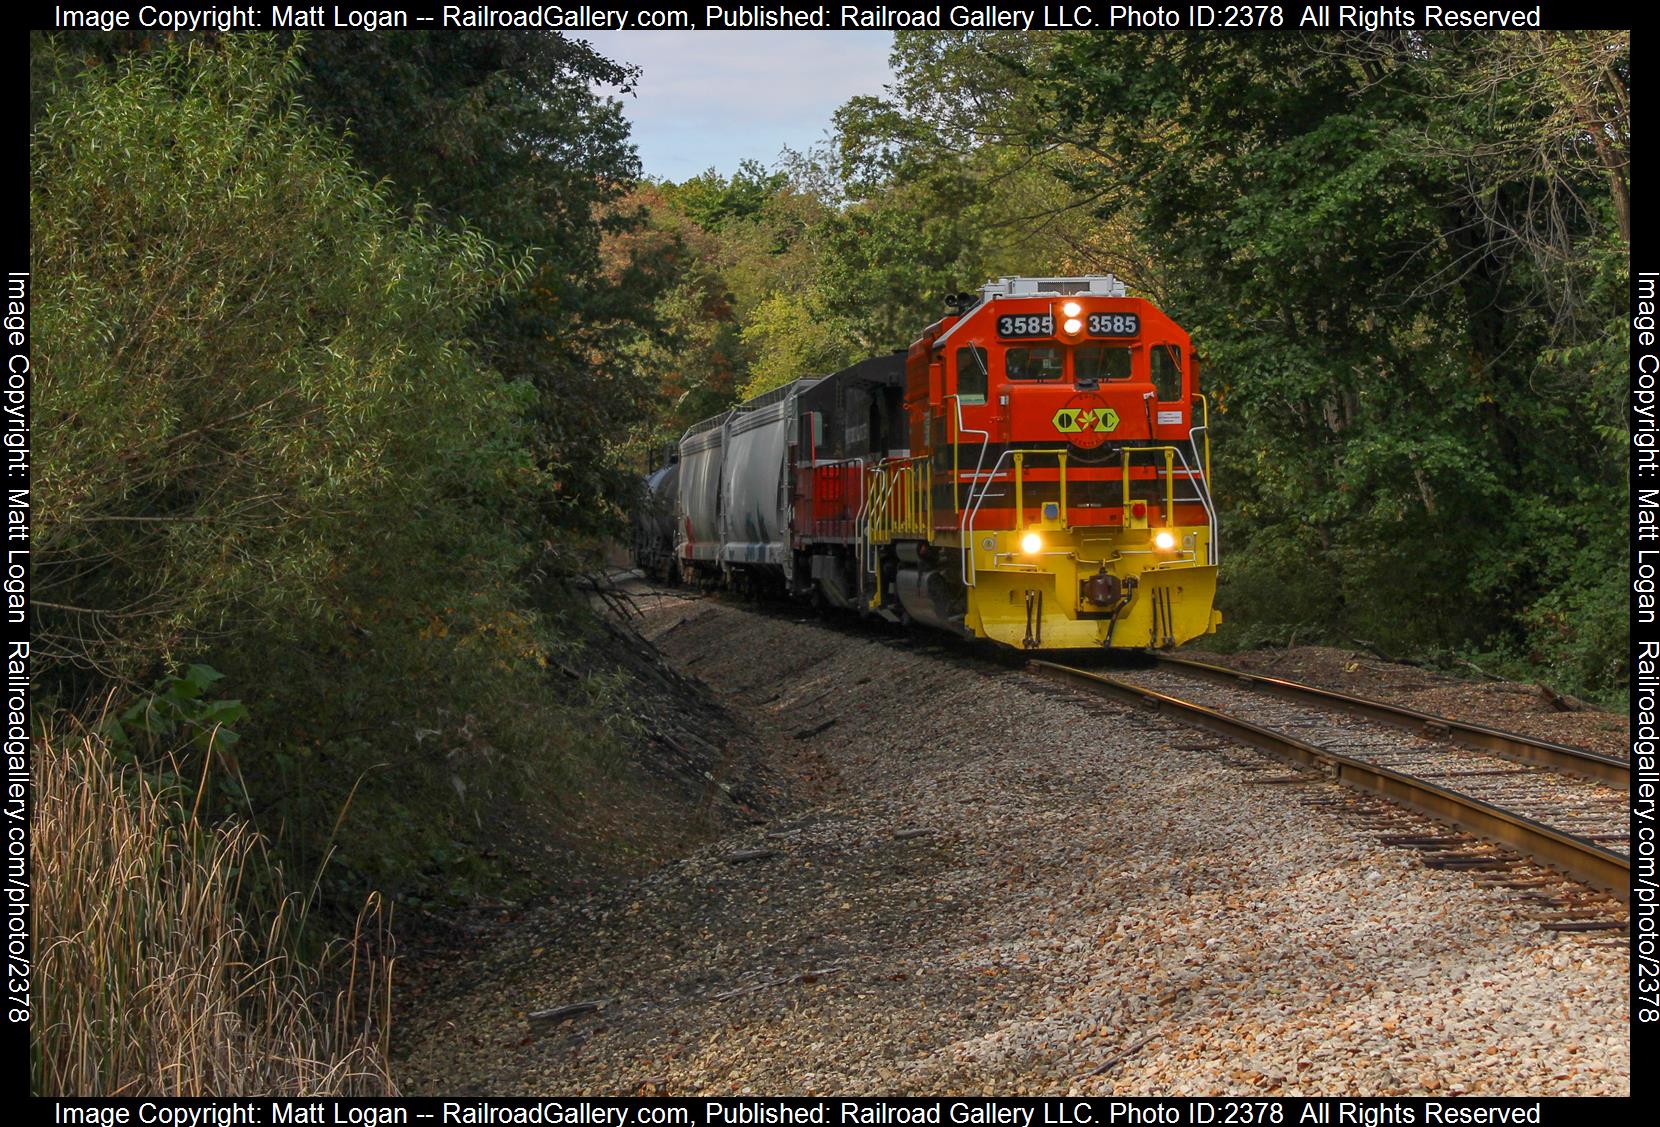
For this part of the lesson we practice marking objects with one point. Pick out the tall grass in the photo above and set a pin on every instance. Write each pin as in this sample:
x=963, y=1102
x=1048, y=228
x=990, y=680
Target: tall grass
x=153, y=977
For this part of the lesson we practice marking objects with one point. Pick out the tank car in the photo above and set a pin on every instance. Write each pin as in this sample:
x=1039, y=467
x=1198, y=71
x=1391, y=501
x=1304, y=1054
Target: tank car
x=656, y=519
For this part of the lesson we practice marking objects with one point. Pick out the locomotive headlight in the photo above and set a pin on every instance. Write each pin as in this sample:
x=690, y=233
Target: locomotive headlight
x=1073, y=327
x=1071, y=309
x=1164, y=540
x=1031, y=543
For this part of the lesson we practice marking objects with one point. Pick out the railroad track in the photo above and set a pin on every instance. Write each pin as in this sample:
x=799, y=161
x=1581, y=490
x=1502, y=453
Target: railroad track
x=1560, y=805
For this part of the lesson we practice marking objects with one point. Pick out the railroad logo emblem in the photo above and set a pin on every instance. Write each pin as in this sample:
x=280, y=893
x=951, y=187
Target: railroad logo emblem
x=1086, y=421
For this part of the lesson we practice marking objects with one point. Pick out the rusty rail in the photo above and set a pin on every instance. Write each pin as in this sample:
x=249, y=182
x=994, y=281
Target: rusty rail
x=1584, y=860
x=1605, y=769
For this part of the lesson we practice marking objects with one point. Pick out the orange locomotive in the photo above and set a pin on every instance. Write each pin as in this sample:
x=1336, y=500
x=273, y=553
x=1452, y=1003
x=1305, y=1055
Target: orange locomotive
x=1033, y=471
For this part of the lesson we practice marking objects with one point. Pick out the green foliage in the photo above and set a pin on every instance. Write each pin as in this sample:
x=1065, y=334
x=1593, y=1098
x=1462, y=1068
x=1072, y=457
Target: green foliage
x=176, y=710
x=502, y=131
x=1402, y=266
x=710, y=199
x=744, y=312
x=276, y=454
x=1405, y=263
x=849, y=250
x=791, y=336
x=241, y=350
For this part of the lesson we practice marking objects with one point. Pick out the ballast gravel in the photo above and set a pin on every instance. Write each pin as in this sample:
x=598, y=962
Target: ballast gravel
x=996, y=886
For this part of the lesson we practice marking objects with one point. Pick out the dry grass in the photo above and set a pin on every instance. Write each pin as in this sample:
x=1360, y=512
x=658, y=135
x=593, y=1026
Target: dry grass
x=152, y=979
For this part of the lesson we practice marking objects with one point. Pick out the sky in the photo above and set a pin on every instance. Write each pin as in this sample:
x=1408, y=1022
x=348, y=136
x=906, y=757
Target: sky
x=715, y=98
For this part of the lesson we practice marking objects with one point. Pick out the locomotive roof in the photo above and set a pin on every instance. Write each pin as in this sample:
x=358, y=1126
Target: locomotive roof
x=767, y=398
x=888, y=368
x=1100, y=285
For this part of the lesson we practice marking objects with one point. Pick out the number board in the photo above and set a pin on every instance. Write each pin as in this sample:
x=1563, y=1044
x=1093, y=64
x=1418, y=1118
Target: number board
x=1043, y=325
x=1026, y=325
x=1114, y=325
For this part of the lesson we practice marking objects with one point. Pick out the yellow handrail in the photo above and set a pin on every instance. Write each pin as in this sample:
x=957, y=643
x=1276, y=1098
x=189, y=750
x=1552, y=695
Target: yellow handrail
x=1169, y=453
x=899, y=498
x=1019, y=458
x=1205, y=403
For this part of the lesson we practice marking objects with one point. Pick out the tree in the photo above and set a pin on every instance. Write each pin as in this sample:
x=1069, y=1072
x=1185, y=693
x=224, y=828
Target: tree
x=1350, y=225
x=243, y=351
x=502, y=130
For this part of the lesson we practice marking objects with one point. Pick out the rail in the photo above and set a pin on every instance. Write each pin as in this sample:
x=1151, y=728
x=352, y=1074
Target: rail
x=1582, y=859
x=1204, y=467
x=877, y=523
x=1605, y=769
x=1016, y=459
x=965, y=540
x=1201, y=487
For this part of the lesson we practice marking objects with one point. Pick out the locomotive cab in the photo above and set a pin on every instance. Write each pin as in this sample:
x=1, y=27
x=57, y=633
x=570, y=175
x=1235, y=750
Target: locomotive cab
x=1056, y=492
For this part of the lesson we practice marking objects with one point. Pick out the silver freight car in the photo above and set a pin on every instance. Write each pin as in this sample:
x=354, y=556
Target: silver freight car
x=698, y=539
x=755, y=481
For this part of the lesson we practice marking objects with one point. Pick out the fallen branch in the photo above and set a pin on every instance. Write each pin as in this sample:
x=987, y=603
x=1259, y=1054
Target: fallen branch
x=1559, y=701
x=743, y=855
x=543, y=1021
x=1377, y=651
x=1464, y=661
x=805, y=978
x=620, y=602
x=1119, y=1057
x=809, y=733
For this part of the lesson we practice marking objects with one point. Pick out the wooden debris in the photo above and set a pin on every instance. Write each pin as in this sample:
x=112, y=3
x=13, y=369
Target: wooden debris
x=804, y=978
x=743, y=855
x=1119, y=1057
x=907, y=835
x=545, y=1021
x=809, y=733
x=1558, y=701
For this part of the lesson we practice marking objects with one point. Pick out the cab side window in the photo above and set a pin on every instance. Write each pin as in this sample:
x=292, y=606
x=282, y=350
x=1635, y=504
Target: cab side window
x=971, y=374
x=1165, y=360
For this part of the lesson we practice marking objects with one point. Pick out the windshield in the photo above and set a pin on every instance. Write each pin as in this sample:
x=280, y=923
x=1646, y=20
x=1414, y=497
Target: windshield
x=1044, y=362
x=1101, y=362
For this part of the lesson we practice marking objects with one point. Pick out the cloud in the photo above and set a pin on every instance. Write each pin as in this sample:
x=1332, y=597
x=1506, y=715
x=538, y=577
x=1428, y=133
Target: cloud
x=717, y=97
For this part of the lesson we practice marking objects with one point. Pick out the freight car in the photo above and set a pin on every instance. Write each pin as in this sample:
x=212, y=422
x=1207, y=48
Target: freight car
x=1033, y=470
x=656, y=522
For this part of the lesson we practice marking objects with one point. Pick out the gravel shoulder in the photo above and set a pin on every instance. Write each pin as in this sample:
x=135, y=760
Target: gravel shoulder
x=982, y=883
